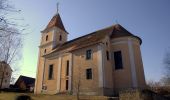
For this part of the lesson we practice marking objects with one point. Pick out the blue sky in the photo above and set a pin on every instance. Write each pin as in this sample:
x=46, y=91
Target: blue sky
x=148, y=19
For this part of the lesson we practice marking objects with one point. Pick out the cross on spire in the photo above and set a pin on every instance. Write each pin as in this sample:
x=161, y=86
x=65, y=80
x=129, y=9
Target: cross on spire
x=57, y=7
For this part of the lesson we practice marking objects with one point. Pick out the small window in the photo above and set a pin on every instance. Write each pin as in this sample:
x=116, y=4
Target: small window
x=107, y=54
x=88, y=54
x=89, y=73
x=66, y=84
x=106, y=44
x=60, y=38
x=45, y=51
x=46, y=38
x=50, y=74
x=6, y=73
x=67, y=68
x=118, y=60
x=5, y=81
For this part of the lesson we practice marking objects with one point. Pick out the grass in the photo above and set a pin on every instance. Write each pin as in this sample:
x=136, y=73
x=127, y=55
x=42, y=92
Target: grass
x=13, y=96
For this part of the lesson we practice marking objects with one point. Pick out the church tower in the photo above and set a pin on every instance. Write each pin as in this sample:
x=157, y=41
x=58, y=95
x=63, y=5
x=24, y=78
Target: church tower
x=52, y=36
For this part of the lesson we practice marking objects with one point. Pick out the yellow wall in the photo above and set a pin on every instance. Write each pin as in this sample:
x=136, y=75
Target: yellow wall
x=51, y=84
x=48, y=45
x=122, y=77
x=80, y=64
x=113, y=79
x=139, y=66
x=63, y=72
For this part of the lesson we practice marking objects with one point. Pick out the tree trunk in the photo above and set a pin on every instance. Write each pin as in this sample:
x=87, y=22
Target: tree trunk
x=2, y=76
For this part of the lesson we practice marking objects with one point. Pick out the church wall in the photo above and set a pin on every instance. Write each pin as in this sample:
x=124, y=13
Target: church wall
x=139, y=64
x=43, y=40
x=80, y=64
x=51, y=85
x=40, y=65
x=64, y=77
x=39, y=75
x=132, y=74
x=57, y=36
x=107, y=68
x=122, y=77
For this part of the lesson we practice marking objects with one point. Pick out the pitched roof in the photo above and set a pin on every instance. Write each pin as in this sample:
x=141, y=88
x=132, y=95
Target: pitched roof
x=27, y=80
x=85, y=40
x=114, y=31
x=119, y=31
x=55, y=22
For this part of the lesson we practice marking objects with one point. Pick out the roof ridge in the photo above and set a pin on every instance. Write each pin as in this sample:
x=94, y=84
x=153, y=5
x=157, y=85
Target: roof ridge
x=26, y=76
x=91, y=33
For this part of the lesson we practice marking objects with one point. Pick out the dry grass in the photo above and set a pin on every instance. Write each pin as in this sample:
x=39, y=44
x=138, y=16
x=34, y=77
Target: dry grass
x=13, y=96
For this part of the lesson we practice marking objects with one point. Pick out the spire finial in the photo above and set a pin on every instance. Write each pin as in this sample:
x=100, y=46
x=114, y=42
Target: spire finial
x=57, y=7
x=116, y=21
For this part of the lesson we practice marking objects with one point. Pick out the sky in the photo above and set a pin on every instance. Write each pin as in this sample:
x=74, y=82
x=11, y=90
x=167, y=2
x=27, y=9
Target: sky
x=148, y=19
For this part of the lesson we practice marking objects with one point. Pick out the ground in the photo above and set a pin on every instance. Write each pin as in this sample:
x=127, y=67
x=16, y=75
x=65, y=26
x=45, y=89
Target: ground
x=13, y=96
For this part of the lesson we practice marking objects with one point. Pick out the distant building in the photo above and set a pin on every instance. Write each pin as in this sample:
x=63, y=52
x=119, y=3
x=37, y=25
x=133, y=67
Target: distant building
x=5, y=75
x=103, y=62
x=25, y=83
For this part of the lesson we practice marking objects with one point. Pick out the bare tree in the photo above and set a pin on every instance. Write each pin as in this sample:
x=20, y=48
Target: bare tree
x=152, y=85
x=166, y=78
x=10, y=34
x=77, y=84
x=10, y=50
x=6, y=23
x=77, y=77
x=167, y=62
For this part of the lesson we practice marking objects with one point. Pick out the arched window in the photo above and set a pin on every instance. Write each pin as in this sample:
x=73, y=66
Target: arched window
x=60, y=38
x=46, y=38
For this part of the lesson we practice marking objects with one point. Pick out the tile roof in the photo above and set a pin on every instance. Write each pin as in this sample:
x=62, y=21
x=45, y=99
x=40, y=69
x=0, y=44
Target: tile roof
x=113, y=31
x=55, y=22
x=119, y=31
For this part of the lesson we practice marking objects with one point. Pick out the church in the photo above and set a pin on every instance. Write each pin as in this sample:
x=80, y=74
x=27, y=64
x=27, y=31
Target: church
x=103, y=62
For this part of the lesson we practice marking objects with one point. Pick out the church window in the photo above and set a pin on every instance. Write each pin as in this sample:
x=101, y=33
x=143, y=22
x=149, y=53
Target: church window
x=5, y=81
x=45, y=51
x=118, y=60
x=88, y=54
x=7, y=73
x=89, y=73
x=67, y=68
x=46, y=38
x=107, y=55
x=66, y=84
x=50, y=74
x=60, y=38
x=106, y=44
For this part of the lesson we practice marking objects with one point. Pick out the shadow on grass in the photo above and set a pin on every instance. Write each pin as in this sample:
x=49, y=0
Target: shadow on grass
x=23, y=97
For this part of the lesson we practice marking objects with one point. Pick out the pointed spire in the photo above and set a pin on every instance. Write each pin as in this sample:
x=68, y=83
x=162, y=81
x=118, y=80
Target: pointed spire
x=55, y=22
